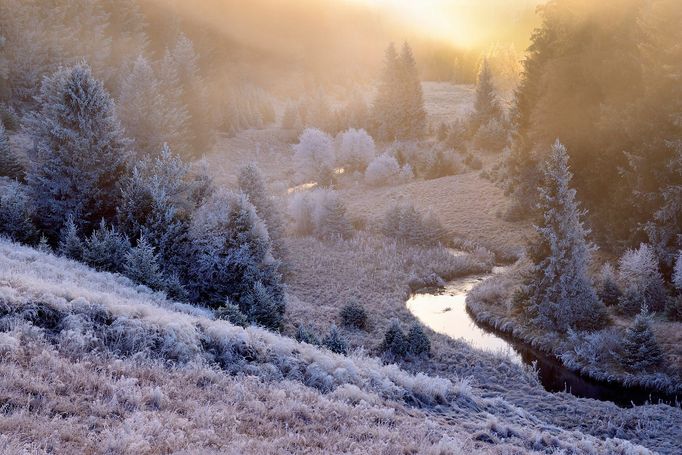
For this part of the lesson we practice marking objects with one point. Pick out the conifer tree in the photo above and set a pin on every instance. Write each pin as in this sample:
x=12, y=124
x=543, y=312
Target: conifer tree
x=80, y=153
x=385, y=110
x=640, y=349
x=562, y=294
x=252, y=183
x=106, y=249
x=332, y=221
x=486, y=105
x=142, y=265
x=70, y=244
x=413, y=123
x=9, y=164
x=677, y=272
x=15, y=214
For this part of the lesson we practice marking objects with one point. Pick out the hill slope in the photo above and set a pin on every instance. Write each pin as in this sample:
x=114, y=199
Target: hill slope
x=91, y=363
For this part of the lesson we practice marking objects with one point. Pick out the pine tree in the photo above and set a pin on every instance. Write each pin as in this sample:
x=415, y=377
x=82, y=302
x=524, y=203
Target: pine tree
x=386, y=111
x=79, y=154
x=640, y=349
x=150, y=116
x=232, y=253
x=142, y=265
x=252, y=183
x=412, y=109
x=486, y=105
x=562, y=293
x=70, y=244
x=9, y=164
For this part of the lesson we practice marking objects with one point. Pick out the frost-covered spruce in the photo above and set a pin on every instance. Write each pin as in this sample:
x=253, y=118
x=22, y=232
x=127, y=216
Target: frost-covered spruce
x=15, y=214
x=232, y=256
x=332, y=222
x=562, y=295
x=335, y=342
x=640, y=349
x=395, y=341
x=70, y=244
x=354, y=315
x=252, y=183
x=609, y=292
x=142, y=265
x=230, y=312
x=677, y=272
x=264, y=307
x=9, y=163
x=413, y=124
x=106, y=248
x=644, y=284
x=417, y=341
x=80, y=152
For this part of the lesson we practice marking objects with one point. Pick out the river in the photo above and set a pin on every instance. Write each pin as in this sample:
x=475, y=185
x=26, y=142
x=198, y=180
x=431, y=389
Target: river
x=444, y=311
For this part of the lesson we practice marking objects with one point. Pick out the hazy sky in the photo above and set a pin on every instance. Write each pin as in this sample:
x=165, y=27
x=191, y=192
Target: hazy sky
x=462, y=22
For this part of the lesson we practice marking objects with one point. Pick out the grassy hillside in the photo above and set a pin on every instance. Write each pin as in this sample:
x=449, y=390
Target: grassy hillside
x=91, y=363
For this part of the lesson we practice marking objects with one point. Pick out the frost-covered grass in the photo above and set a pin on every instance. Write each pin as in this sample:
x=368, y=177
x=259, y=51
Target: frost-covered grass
x=325, y=276
x=591, y=353
x=90, y=363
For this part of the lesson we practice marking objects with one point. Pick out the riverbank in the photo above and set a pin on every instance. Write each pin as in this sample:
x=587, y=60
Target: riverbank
x=592, y=354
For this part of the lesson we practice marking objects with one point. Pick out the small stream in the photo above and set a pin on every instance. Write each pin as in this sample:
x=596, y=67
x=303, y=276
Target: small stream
x=444, y=311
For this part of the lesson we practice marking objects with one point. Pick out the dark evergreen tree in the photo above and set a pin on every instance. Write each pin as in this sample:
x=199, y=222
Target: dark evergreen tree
x=486, y=104
x=106, y=249
x=417, y=341
x=80, y=153
x=413, y=113
x=386, y=111
x=335, y=342
x=9, y=163
x=641, y=352
x=70, y=244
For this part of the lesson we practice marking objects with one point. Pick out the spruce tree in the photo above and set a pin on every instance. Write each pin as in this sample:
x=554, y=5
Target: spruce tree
x=9, y=163
x=142, y=265
x=335, y=342
x=486, y=105
x=677, y=272
x=106, y=249
x=562, y=294
x=15, y=214
x=70, y=244
x=252, y=183
x=411, y=107
x=80, y=153
x=332, y=221
x=386, y=111
x=640, y=349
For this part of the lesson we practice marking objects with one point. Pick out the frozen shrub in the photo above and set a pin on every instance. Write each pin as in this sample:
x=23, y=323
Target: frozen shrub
x=354, y=315
x=395, y=341
x=383, y=170
x=406, y=173
x=608, y=290
x=230, y=312
x=335, y=342
x=417, y=341
x=356, y=150
x=43, y=245
x=473, y=162
x=640, y=349
x=306, y=335
x=70, y=244
x=15, y=213
x=457, y=135
x=106, y=249
x=491, y=136
x=644, y=285
x=314, y=157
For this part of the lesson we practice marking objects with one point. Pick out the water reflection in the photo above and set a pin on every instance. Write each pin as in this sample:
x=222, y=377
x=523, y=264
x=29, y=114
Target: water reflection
x=444, y=311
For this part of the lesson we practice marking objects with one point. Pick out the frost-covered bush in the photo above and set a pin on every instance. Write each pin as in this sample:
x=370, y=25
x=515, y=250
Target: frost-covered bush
x=432, y=162
x=356, y=150
x=320, y=213
x=417, y=341
x=306, y=335
x=314, y=157
x=457, y=135
x=230, y=312
x=15, y=213
x=608, y=290
x=335, y=342
x=491, y=136
x=405, y=223
x=640, y=351
x=354, y=315
x=383, y=170
x=644, y=285
x=106, y=249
